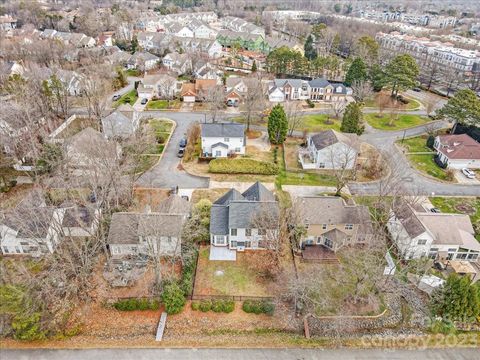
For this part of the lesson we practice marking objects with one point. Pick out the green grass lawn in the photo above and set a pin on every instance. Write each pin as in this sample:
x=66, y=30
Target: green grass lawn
x=412, y=105
x=236, y=277
x=458, y=205
x=162, y=104
x=426, y=164
x=128, y=98
x=133, y=72
x=415, y=144
x=403, y=121
x=317, y=122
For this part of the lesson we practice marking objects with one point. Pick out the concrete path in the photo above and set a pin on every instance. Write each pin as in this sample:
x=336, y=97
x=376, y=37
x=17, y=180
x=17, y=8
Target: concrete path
x=241, y=354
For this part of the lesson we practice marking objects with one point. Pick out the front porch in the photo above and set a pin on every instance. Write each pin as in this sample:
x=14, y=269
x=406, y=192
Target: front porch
x=319, y=253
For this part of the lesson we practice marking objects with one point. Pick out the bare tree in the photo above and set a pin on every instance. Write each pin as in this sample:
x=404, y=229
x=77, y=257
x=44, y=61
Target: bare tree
x=430, y=104
x=294, y=116
x=342, y=160
x=215, y=98
x=95, y=90
x=338, y=105
x=253, y=99
x=362, y=90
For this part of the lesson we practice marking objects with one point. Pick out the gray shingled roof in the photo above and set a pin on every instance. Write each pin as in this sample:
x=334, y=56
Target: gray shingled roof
x=117, y=124
x=241, y=214
x=326, y=138
x=407, y=217
x=319, y=83
x=219, y=219
x=231, y=195
x=223, y=130
x=30, y=222
x=258, y=192
x=174, y=204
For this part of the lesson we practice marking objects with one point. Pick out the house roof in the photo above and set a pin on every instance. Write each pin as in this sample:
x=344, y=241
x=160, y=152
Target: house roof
x=78, y=216
x=205, y=84
x=235, y=210
x=332, y=210
x=459, y=147
x=126, y=228
x=319, y=83
x=407, y=217
x=296, y=83
x=223, y=130
x=188, y=89
x=326, y=138
x=30, y=223
x=117, y=124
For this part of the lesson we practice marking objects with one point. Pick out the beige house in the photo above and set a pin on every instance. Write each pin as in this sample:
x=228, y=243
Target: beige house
x=331, y=223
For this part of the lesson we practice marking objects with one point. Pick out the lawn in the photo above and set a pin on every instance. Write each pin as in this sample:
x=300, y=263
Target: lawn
x=161, y=130
x=460, y=205
x=128, y=98
x=426, y=164
x=403, y=121
x=415, y=144
x=412, y=104
x=318, y=122
x=236, y=277
x=133, y=72
x=163, y=104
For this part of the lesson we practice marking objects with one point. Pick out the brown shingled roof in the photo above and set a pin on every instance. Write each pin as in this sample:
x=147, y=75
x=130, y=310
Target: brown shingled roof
x=459, y=147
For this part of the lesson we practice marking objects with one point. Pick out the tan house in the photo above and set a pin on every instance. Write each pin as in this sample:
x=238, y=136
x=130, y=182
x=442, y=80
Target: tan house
x=331, y=223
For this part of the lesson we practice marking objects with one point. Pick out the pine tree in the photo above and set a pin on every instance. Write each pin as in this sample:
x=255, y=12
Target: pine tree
x=356, y=72
x=352, y=119
x=254, y=66
x=277, y=125
x=310, y=52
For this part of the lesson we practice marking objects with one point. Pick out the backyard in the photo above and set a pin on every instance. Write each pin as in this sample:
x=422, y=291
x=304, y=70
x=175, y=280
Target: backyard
x=128, y=98
x=460, y=205
x=234, y=278
x=394, y=122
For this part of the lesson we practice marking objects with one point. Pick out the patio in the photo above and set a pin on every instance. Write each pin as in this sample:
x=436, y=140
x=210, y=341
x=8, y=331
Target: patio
x=222, y=254
x=319, y=253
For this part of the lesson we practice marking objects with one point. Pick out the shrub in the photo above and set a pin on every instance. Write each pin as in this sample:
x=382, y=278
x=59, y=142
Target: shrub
x=205, y=305
x=310, y=103
x=258, y=307
x=228, y=306
x=173, y=298
x=430, y=141
x=217, y=306
x=275, y=155
x=188, y=270
x=242, y=166
x=195, y=305
x=449, y=175
x=136, y=304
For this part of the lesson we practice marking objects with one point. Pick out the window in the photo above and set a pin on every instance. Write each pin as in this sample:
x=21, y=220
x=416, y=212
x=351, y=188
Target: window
x=233, y=232
x=472, y=256
x=233, y=244
x=248, y=244
x=421, y=242
x=5, y=250
x=324, y=226
x=328, y=243
x=248, y=232
x=319, y=240
x=17, y=250
x=348, y=226
x=219, y=240
x=462, y=256
x=237, y=150
x=226, y=139
x=262, y=231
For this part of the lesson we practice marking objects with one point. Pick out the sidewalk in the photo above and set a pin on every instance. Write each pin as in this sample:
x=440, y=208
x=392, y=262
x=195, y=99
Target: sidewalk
x=302, y=190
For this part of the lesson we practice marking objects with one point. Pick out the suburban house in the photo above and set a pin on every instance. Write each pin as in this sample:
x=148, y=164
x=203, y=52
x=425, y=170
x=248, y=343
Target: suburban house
x=143, y=61
x=418, y=233
x=179, y=30
x=209, y=48
x=158, y=86
x=293, y=89
x=89, y=149
x=195, y=28
x=236, y=221
x=69, y=38
x=7, y=22
x=248, y=41
x=155, y=42
x=276, y=95
x=205, y=70
x=221, y=140
x=79, y=220
x=322, y=90
x=198, y=91
x=121, y=124
x=180, y=63
x=149, y=233
x=330, y=149
x=331, y=223
x=458, y=151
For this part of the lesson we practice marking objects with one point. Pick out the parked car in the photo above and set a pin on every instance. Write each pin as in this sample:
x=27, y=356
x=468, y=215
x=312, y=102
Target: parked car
x=180, y=153
x=468, y=173
x=183, y=143
x=417, y=89
x=116, y=97
x=144, y=101
x=435, y=210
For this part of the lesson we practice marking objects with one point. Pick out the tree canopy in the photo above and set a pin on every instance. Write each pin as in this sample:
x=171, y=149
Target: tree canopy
x=352, y=119
x=356, y=72
x=401, y=73
x=277, y=125
x=463, y=108
x=310, y=52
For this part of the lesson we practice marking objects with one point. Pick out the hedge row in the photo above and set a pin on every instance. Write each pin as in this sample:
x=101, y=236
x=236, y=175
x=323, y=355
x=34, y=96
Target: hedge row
x=226, y=306
x=137, y=304
x=242, y=166
x=258, y=307
x=188, y=271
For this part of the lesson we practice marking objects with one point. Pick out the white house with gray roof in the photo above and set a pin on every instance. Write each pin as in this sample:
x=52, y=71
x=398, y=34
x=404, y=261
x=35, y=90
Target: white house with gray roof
x=120, y=124
x=234, y=221
x=419, y=233
x=221, y=140
x=293, y=89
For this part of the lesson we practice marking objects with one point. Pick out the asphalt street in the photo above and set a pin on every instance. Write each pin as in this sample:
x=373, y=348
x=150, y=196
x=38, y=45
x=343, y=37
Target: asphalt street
x=240, y=354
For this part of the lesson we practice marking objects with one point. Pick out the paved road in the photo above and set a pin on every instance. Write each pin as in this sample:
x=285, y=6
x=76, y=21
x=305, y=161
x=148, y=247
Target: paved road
x=165, y=174
x=413, y=183
x=239, y=354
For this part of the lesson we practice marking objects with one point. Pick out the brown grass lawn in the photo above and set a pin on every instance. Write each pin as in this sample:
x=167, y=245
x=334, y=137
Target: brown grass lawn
x=144, y=197
x=237, y=278
x=255, y=153
x=14, y=196
x=368, y=152
x=292, y=145
x=253, y=134
x=209, y=194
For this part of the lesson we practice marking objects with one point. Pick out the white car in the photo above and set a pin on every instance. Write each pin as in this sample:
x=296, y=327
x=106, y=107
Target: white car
x=468, y=173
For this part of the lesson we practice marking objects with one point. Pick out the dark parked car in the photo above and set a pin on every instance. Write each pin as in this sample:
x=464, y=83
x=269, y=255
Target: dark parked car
x=435, y=210
x=116, y=97
x=144, y=101
x=180, y=153
x=183, y=143
x=417, y=89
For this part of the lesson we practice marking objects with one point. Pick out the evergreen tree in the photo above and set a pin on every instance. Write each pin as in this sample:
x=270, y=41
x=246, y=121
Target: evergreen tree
x=277, y=125
x=463, y=108
x=254, y=66
x=401, y=73
x=457, y=300
x=356, y=72
x=352, y=119
x=377, y=77
x=310, y=52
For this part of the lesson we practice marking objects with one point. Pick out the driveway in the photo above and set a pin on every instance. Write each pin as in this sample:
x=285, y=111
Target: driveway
x=166, y=174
